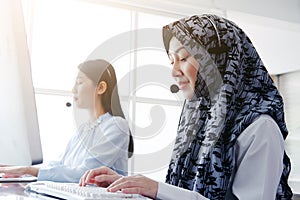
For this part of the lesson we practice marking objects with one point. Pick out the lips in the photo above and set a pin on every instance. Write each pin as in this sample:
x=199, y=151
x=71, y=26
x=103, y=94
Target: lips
x=183, y=84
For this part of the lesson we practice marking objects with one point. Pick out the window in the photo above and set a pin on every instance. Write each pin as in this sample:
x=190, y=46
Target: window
x=62, y=34
x=289, y=86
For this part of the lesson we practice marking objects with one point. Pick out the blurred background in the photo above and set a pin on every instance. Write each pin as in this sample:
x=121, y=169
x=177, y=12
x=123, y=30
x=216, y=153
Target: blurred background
x=63, y=33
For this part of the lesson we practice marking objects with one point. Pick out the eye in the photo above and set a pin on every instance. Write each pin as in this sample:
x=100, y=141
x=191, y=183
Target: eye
x=183, y=55
x=183, y=59
x=79, y=82
x=171, y=61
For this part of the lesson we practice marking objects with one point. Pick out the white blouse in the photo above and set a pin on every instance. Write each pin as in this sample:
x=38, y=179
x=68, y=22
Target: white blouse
x=259, y=154
x=98, y=144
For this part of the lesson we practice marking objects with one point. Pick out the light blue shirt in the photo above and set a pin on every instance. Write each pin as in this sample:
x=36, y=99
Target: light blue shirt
x=102, y=143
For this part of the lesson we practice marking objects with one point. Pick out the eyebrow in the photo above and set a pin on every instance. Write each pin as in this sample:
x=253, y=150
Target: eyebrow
x=80, y=77
x=178, y=50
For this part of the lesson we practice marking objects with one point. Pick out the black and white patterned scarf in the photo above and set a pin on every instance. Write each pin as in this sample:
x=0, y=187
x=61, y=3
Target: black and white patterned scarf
x=233, y=88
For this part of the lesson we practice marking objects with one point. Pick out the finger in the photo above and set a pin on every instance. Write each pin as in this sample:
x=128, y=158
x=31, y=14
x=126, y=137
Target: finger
x=140, y=190
x=133, y=190
x=7, y=175
x=89, y=178
x=81, y=182
x=106, y=178
x=3, y=170
x=105, y=170
x=11, y=171
x=122, y=183
x=104, y=184
x=116, y=182
x=83, y=178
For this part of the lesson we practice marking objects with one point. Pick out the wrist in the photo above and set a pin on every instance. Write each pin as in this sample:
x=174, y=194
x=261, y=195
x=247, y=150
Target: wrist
x=155, y=189
x=32, y=171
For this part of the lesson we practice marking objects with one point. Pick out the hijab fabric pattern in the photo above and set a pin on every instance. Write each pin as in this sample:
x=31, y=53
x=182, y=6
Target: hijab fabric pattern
x=233, y=88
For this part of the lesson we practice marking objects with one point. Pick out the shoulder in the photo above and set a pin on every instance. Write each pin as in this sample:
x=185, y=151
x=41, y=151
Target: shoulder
x=116, y=123
x=263, y=129
x=265, y=120
x=264, y=124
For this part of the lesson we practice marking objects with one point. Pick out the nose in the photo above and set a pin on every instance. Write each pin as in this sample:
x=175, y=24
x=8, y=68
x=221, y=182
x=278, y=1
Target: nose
x=74, y=89
x=176, y=71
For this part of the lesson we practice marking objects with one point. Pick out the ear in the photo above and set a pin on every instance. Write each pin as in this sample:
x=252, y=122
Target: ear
x=101, y=87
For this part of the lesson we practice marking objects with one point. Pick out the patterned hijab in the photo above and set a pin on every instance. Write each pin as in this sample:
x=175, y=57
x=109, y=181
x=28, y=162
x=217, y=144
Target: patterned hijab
x=232, y=89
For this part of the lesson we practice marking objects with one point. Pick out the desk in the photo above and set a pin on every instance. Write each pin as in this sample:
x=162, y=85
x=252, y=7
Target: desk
x=15, y=191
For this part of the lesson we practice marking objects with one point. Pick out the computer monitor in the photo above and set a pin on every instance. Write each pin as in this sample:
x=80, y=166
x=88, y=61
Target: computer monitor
x=19, y=131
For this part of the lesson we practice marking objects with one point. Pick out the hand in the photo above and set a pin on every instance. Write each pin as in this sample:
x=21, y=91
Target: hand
x=102, y=177
x=17, y=171
x=137, y=184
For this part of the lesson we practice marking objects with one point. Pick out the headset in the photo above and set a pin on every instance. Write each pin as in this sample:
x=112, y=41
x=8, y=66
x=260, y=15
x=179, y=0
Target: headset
x=221, y=48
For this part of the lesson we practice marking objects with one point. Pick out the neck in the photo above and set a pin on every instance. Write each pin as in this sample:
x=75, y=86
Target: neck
x=99, y=109
x=100, y=112
x=95, y=114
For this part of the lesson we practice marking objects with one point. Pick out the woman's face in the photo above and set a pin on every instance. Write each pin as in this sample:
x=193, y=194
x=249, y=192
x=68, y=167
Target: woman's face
x=185, y=67
x=84, y=91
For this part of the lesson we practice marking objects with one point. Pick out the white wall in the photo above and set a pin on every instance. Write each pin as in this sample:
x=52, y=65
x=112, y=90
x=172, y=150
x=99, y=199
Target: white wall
x=273, y=25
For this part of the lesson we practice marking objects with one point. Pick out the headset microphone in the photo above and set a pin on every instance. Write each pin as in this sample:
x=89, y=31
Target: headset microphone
x=174, y=88
x=68, y=104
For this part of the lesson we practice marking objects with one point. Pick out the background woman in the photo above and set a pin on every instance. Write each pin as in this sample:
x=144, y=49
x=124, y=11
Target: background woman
x=104, y=140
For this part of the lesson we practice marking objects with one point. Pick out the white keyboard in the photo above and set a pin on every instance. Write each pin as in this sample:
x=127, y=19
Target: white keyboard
x=75, y=192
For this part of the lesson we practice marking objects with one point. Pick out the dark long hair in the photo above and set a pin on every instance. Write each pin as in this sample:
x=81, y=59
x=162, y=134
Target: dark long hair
x=101, y=70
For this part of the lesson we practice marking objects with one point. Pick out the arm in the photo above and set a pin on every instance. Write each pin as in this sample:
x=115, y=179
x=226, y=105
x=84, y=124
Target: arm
x=171, y=192
x=61, y=173
x=259, y=163
x=259, y=153
x=104, y=177
x=17, y=171
x=255, y=148
x=10, y=171
x=106, y=147
x=58, y=170
x=139, y=184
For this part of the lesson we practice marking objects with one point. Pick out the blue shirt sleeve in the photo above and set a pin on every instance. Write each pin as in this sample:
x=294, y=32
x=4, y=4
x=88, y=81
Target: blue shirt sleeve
x=107, y=145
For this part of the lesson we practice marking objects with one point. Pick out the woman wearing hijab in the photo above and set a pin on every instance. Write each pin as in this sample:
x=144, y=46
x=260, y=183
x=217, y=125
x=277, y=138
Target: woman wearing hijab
x=104, y=140
x=230, y=139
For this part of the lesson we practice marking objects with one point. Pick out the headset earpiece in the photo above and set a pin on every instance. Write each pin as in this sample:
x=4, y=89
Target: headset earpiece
x=221, y=48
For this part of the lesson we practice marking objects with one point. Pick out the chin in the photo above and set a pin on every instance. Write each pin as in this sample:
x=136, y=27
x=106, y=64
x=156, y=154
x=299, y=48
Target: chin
x=188, y=95
x=79, y=105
